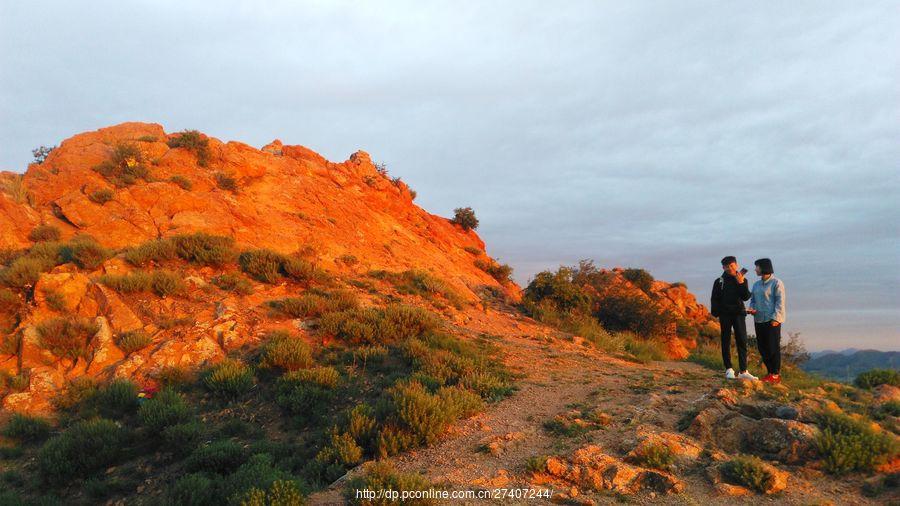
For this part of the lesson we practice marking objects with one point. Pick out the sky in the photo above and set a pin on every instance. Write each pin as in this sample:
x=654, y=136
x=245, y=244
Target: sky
x=662, y=135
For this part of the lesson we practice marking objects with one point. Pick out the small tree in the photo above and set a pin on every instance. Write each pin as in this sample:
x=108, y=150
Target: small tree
x=465, y=217
x=40, y=153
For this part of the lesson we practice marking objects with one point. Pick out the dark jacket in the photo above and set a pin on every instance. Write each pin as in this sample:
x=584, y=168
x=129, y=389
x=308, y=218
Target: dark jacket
x=728, y=296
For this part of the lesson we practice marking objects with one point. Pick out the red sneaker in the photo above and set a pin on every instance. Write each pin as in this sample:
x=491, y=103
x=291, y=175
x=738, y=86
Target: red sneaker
x=767, y=378
x=776, y=379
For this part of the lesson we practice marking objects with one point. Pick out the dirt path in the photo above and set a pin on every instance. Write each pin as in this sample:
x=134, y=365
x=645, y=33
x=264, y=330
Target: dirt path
x=490, y=450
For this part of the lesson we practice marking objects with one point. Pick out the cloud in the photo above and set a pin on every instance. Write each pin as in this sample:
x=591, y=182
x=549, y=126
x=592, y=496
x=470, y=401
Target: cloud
x=639, y=133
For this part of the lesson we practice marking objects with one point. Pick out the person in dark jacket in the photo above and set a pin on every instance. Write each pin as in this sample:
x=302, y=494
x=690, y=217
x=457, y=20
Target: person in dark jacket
x=727, y=303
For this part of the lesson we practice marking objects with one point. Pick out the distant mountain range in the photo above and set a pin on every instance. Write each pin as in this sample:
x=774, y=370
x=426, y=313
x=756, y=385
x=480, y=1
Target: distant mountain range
x=844, y=365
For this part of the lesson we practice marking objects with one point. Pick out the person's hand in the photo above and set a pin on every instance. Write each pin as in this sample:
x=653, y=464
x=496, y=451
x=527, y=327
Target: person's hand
x=775, y=323
x=751, y=311
x=739, y=277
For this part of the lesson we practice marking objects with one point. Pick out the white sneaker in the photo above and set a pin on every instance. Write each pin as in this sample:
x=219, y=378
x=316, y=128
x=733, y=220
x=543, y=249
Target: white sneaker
x=729, y=373
x=747, y=376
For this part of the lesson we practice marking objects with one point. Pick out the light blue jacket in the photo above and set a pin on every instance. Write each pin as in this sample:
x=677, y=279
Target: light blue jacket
x=768, y=299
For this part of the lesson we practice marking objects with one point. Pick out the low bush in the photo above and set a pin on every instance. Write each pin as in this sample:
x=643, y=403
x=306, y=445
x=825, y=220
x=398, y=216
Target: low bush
x=259, y=472
x=204, y=249
x=115, y=400
x=644, y=350
x=378, y=326
x=654, y=456
x=268, y=266
x=41, y=153
x=66, y=337
x=422, y=283
x=183, y=182
x=167, y=409
x=631, y=313
x=219, y=457
x=501, y=272
x=133, y=341
x=83, y=449
x=280, y=493
x=639, y=278
x=233, y=283
x=848, y=444
x=226, y=182
x=875, y=377
x=465, y=218
x=426, y=415
x=382, y=476
x=339, y=453
x=193, y=141
x=195, y=489
x=536, y=464
x=102, y=196
x=157, y=250
x=27, y=429
x=55, y=300
x=44, y=233
x=748, y=472
x=85, y=252
x=229, y=379
x=307, y=392
x=181, y=438
x=311, y=305
x=124, y=166
x=160, y=282
x=559, y=291
x=283, y=351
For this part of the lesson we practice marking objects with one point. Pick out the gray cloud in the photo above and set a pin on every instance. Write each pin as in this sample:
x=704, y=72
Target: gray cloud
x=663, y=135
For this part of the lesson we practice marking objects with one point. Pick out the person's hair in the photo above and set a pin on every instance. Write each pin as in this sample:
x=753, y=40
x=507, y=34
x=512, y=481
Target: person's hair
x=727, y=260
x=765, y=266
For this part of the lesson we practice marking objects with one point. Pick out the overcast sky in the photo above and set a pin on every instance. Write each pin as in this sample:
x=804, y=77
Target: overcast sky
x=662, y=135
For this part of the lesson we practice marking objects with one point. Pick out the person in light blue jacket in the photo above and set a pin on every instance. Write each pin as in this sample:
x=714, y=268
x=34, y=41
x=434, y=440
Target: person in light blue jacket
x=767, y=305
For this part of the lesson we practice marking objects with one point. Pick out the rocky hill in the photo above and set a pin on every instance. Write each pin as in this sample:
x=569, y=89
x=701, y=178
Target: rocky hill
x=186, y=321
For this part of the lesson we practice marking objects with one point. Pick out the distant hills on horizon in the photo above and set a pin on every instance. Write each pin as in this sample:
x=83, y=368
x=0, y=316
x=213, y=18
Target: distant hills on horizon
x=845, y=364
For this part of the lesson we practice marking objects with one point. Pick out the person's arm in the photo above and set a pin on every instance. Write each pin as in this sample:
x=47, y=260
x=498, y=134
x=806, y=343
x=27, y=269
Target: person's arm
x=714, y=299
x=751, y=306
x=779, y=302
x=744, y=289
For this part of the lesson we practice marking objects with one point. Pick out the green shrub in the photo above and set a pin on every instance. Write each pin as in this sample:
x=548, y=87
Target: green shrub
x=422, y=283
x=27, y=429
x=559, y=290
x=361, y=424
x=160, y=282
x=465, y=218
x=501, y=272
x=283, y=351
x=847, y=444
x=101, y=196
x=473, y=250
x=382, y=476
x=307, y=392
x=133, y=341
x=393, y=323
x=124, y=166
x=166, y=409
x=280, y=493
x=268, y=266
x=748, y=472
x=644, y=350
x=220, y=457
x=875, y=377
x=229, y=379
x=655, y=456
x=258, y=472
x=77, y=391
x=182, y=182
x=631, y=313
x=311, y=305
x=66, y=337
x=85, y=252
x=709, y=356
x=83, y=449
x=392, y=440
x=115, y=400
x=536, y=464
x=193, y=141
x=226, y=182
x=181, y=438
x=426, y=415
x=55, y=300
x=194, y=489
x=44, y=233
x=158, y=250
x=639, y=278
x=41, y=153
x=233, y=283
x=341, y=450
x=25, y=272
x=204, y=249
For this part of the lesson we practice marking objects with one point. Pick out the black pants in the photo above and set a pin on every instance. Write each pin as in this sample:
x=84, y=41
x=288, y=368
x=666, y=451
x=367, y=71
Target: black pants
x=768, y=340
x=737, y=322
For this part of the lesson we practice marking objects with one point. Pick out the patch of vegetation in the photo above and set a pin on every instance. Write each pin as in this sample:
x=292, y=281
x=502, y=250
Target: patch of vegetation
x=382, y=476
x=158, y=250
x=708, y=356
x=378, y=326
x=55, y=300
x=848, y=444
x=84, y=251
x=501, y=272
x=114, y=401
x=133, y=341
x=41, y=153
x=160, y=282
x=422, y=283
x=465, y=218
x=219, y=457
x=83, y=449
x=193, y=141
x=183, y=182
x=557, y=291
x=27, y=429
x=654, y=456
x=748, y=472
x=268, y=266
x=233, y=282
x=875, y=377
x=283, y=351
x=645, y=350
x=314, y=304
x=101, y=196
x=66, y=337
x=226, y=182
x=229, y=379
x=631, y=313
x=204, y=249
x=306, y=392
x=639, y=278
x=124, y=166
x=536, y=464
x=44, y=233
